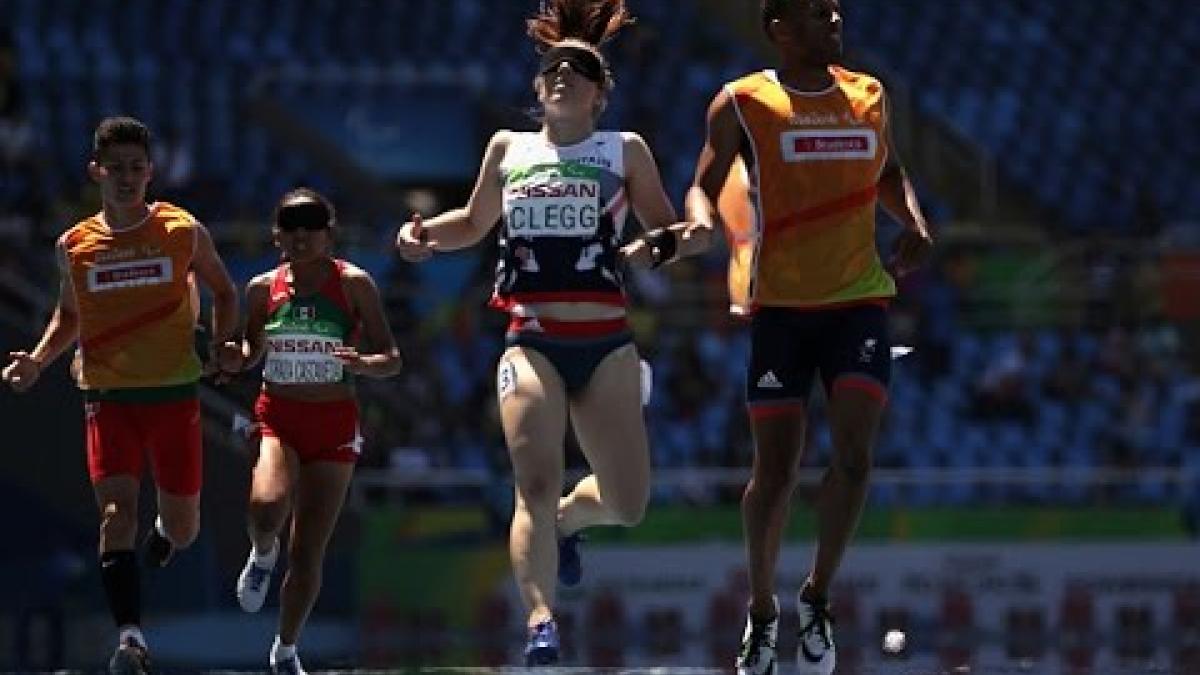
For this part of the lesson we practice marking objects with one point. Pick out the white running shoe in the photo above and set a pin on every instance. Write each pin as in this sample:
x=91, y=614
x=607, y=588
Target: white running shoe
x=758, y=652
x=130, y=658
x=255, y=580
x=815, y=653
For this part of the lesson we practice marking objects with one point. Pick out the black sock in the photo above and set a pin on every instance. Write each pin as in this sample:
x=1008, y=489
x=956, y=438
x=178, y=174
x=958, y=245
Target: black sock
x=119, y=570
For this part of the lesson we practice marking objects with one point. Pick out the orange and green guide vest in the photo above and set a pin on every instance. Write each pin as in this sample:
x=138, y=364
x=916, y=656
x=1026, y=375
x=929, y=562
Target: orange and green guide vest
x=799, y=205
x=136, y=319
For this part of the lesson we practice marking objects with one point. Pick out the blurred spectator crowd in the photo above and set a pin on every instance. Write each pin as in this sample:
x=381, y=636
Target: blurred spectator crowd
x=1075, y=98
x=1110, y=389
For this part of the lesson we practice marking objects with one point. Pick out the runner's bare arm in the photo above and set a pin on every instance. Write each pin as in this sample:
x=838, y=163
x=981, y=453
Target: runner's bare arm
x=254, y=344
x=722, y=142
x=211, y=272
x=465, y=226
x=647, y=197
x=898, y=197
x=665, y=238
x=381, y=358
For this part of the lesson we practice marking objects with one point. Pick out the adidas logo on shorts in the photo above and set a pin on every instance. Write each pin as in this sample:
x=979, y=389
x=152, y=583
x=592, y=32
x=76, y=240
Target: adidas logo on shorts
x=769, y=381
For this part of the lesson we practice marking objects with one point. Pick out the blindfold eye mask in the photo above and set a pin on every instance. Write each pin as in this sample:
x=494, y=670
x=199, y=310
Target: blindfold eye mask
x=583, y=61
x=310, y=216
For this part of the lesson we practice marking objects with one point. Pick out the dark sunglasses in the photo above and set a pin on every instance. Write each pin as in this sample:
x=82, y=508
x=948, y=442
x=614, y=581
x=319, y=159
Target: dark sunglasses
x=583, y=61
x=310, y=216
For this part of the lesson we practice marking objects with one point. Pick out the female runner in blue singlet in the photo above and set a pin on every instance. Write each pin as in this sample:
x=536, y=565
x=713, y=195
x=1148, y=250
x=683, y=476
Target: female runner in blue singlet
x=563, y=193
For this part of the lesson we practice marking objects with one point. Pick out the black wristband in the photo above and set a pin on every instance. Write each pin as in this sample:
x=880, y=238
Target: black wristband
x=663, y=245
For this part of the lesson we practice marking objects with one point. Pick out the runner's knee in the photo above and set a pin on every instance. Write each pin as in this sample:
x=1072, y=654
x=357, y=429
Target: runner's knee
x=629, y=510
x=539, y=493
x=776, y=479
x=182, y=530
x=852, y=450
x=854, y=466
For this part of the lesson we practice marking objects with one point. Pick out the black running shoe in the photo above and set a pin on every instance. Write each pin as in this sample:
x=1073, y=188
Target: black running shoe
x=157, y=550
x=757, y=654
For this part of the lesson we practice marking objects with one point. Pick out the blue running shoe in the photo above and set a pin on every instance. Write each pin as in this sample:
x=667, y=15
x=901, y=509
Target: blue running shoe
x=542, y=648
x=570, y=565
x=255, y=580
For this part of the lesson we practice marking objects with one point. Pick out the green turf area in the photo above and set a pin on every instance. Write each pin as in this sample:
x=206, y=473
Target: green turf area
x=676, y=524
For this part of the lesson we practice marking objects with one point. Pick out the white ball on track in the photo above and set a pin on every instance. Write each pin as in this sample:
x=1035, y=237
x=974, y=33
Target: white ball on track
x=894, y=641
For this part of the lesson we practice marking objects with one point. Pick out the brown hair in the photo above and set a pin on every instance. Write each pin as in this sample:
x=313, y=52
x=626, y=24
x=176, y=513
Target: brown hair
x=591, y=21
x=119, y=131
x=584, y=23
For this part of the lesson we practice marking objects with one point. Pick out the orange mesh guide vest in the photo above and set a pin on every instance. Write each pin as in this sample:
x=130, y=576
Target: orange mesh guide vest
x=136, y=314
x=799, y=209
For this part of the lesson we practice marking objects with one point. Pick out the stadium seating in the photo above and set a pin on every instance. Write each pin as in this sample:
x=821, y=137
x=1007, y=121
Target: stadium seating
x=1013, y=78
x=1001, y=74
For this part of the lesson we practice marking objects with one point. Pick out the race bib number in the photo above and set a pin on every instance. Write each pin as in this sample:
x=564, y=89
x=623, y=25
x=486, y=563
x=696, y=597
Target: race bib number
x=302, y=359
x=506, y=379
x=566, y=207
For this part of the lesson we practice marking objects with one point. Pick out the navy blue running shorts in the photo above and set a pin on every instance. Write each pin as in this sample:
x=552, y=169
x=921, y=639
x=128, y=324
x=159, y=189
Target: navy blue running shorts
x=849, y=346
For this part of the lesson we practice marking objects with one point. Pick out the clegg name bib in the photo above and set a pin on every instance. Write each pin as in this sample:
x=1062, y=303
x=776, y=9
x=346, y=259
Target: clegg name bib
x=559, y=207
x=564, y=215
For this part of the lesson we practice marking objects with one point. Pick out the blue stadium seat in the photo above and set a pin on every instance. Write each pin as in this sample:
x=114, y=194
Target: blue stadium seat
x=1029, y=49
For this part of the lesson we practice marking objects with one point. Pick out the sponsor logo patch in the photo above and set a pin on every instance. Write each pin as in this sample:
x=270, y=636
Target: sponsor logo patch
x=302, y=359
x=807, y=145
x=769, y=381
x=866, y=352
x=146, y=272
x=815, y=119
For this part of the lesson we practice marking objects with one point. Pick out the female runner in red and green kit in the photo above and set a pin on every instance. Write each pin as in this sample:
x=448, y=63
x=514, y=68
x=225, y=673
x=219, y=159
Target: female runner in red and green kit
x=309, y=317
